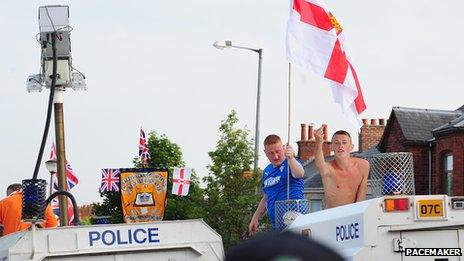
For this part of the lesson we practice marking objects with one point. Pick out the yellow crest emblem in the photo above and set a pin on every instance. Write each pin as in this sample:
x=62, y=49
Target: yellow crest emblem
x=336, y=25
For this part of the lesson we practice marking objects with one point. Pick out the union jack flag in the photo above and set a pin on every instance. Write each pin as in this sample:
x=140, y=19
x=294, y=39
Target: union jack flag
x=71, y=181
x=55, y=205
x=53, y=152
x=71, y=178
x=110, y=180
x=143, y=148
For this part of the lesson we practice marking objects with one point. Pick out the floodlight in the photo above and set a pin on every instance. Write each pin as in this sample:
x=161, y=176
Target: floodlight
x=34, y=83
x=78, y=81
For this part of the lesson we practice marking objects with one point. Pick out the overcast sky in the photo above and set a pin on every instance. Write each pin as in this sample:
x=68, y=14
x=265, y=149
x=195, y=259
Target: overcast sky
x=152, y=64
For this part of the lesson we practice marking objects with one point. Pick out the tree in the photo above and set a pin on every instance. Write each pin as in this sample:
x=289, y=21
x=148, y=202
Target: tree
x=165, y=155
x=111, y=206
x=231, y=196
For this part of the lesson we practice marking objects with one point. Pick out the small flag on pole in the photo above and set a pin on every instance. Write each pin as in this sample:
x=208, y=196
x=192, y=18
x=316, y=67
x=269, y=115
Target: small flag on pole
x=181, y=181
x=53, y=152
x=55, y=205
x=71, y=177
x=315, y=41
x=110, y=180
x=71, y=181
x=143, y=148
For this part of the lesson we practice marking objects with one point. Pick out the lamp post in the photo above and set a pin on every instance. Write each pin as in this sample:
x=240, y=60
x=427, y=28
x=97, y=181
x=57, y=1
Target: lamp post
x=228, y=44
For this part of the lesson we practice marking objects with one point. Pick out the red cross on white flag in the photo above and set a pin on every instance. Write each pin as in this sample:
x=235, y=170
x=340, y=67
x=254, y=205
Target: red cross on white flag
x=181, y=181
x=315, y=42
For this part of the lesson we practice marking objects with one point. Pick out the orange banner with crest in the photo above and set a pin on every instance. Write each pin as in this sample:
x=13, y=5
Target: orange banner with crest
x=143, y=194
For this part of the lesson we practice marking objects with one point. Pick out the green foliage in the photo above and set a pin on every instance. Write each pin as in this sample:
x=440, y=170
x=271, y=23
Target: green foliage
x=167, y=155
x=164, y=155
x=86, y=221
x=111, y=206
x=231, y=196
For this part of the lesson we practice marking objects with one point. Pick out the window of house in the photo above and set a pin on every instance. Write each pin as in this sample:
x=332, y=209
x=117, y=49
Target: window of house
x=315, y=205
x=448, y=174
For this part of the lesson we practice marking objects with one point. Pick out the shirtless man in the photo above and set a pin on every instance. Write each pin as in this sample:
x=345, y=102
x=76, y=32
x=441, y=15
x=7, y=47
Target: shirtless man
x=345, y=177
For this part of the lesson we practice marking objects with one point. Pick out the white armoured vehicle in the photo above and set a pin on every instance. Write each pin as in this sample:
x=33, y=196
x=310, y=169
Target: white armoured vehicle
x=163, y=240
x=395, y=228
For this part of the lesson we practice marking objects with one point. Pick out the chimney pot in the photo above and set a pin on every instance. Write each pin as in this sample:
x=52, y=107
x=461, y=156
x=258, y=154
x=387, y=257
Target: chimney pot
x=311, y=132
x=370, y=137
x=304, y=132
x=326, y=132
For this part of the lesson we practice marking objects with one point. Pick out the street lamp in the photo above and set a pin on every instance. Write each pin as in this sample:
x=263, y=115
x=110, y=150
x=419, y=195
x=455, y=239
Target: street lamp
x=228, y=44
x=52, y=167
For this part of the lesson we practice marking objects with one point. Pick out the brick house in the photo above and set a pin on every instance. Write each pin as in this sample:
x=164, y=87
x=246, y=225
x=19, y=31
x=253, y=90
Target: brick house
x=85, y=211
x=436, y=139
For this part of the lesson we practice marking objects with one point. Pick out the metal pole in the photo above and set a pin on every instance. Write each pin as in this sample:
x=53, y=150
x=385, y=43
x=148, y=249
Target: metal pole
x=51, y=183
x=258, y=101
x=228, y=44
x=289, y=101
x=288, y=129
x=61, y=156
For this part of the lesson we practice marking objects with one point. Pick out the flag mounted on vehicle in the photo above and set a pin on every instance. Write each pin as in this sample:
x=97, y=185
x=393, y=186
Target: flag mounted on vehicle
x=181, y=181
x=143, y=194
x=110, y=180
x=144, y=153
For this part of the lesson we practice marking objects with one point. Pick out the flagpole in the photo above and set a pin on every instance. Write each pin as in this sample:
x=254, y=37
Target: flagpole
x=288, y=128
x=61, y=155
x=141, y=157
x=143, y=149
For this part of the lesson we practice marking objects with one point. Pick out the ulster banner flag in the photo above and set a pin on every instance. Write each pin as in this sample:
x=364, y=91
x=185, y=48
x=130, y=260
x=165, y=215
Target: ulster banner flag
x=315, y=42
x=181, y=181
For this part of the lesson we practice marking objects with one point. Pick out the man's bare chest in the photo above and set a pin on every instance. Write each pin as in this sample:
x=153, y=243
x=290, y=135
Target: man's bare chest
x=344, y=179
